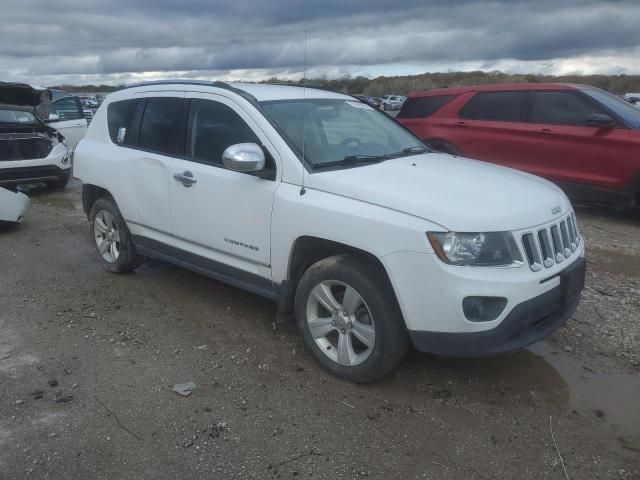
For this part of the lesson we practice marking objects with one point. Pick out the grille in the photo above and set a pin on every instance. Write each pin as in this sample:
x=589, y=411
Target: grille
x=551, y=244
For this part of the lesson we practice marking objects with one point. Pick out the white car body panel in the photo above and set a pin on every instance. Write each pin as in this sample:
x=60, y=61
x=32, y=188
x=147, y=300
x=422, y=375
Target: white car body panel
x=384, y=209
x=13, y=205
x=72, y=130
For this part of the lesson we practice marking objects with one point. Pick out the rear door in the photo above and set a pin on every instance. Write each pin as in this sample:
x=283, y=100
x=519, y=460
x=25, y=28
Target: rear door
x=154, y=136
x=491, y=127
x=71, y=120
x=562, y=147
x=223, y=216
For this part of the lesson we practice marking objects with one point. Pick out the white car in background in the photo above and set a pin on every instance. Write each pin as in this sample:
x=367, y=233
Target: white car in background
x=392, y=102
x=31, y=151
x=69, y=117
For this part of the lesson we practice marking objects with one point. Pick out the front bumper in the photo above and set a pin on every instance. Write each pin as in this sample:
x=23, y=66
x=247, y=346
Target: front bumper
x=526, y=323
x=36, y=174
x=12, y=206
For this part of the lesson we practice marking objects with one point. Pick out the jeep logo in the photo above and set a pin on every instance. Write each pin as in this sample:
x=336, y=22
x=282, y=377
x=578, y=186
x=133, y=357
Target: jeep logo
x=556, y=210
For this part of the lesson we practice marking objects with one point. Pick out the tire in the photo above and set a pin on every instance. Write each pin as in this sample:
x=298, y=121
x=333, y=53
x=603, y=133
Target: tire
x=106, y=223
x=337, y=345
x=62, y=182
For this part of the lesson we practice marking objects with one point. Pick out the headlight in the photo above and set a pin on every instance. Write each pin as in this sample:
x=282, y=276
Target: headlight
x=477, y=249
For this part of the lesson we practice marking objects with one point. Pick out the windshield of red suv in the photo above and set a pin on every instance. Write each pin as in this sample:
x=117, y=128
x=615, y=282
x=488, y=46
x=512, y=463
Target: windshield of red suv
x=331, y=131
x=627, y=112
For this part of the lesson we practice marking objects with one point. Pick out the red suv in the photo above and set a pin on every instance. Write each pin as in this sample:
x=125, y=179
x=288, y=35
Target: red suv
x=583, y=138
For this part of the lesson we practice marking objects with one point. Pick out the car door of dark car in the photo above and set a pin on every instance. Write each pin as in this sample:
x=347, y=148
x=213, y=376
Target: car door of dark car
x=565, y=149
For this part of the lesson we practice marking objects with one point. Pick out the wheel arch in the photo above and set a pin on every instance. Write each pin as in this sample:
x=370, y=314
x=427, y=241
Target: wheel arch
x=306, y=251
x=90, y=194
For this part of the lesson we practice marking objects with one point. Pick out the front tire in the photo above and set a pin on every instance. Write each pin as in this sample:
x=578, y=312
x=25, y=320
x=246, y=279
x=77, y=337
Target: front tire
x=113, y=240
x=348, y=315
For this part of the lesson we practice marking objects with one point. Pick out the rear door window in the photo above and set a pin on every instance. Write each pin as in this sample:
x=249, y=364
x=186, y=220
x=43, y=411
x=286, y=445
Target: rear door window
x=422, y=107
x=160, y=126
x=495, y=106
x=117, y=117
x=561, y=108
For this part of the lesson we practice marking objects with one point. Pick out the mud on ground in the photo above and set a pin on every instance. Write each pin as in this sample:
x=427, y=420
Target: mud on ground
x=88, y=360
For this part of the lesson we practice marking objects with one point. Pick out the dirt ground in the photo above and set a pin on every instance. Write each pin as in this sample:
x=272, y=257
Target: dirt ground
x=88, y=361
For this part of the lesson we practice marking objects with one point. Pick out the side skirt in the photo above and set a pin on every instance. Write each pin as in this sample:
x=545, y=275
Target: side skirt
x=264, y=287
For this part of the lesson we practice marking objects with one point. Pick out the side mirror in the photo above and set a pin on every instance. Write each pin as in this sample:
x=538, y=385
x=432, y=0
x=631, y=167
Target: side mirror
x=53, y=117
x=600, y=120
x=244, y=157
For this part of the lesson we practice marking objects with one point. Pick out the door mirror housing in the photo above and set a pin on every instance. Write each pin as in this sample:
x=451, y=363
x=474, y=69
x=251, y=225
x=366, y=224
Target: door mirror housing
x=600, y=120
x=244, y=157
x=53, y=118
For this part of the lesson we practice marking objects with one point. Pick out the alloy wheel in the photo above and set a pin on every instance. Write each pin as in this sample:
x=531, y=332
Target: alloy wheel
x=107, y=236
x=340, y=322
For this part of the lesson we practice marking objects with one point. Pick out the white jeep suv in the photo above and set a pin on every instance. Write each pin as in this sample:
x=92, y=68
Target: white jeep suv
x=329, y=207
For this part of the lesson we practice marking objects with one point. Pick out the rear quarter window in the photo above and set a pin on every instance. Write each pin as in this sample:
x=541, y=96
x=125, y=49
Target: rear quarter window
x=423, y=107
x=117, y=117
x=496, y=106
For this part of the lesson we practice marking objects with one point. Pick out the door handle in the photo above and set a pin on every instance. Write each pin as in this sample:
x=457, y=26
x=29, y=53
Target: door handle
x=544, y=131
x=461, y=124
x=185, y=178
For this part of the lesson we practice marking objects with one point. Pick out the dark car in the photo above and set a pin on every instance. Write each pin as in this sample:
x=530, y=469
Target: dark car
x=583, y=138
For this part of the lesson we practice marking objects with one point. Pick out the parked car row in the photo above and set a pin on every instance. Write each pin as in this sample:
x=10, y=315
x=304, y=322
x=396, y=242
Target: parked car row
x=582, y=138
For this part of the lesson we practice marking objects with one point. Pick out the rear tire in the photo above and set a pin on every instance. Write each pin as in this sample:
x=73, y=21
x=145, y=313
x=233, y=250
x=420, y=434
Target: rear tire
x=112, y=237
x=362, y=336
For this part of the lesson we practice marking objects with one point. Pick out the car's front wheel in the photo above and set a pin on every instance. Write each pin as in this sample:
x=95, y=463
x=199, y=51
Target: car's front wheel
x=349, y=318
x=112, y=237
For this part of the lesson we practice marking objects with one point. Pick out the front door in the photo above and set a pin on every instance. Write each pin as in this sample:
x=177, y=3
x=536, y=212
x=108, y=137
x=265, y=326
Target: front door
x=222, y=216
x=563, y=148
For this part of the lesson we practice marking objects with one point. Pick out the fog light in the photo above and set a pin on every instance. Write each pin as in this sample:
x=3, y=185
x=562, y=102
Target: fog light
x=483, y=309
x=65, y=160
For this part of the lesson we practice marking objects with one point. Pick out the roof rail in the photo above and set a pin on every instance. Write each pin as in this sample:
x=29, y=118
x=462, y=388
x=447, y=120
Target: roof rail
x=205, y=83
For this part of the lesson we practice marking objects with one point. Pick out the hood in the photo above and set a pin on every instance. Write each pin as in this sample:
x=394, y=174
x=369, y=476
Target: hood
x=20, y=96
x=459, y=194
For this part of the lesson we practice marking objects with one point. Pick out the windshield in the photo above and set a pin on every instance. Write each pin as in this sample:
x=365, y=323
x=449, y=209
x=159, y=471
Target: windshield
x=339, y=130
x=18, y=117
x=627, y=112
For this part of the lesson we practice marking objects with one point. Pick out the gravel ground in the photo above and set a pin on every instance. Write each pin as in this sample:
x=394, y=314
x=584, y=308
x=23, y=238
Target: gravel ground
x=88, y=361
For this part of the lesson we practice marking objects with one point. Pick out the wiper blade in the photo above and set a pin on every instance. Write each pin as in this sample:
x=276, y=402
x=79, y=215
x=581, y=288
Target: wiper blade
x=414, y=150
x=352, y=160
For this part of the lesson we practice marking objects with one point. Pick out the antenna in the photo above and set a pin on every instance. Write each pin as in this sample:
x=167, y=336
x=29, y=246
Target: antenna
x=304, y=115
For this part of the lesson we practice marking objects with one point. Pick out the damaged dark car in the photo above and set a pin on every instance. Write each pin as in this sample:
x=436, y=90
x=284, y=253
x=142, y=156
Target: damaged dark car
x=30, y=150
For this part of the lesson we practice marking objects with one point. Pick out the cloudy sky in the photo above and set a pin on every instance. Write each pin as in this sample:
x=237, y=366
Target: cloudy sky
x=120, y=41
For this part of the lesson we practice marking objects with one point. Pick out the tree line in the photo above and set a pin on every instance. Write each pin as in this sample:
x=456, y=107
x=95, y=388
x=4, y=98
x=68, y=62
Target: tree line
x=402, y=85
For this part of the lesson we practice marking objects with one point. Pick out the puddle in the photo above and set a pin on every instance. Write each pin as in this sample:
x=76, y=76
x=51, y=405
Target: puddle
x=610, y=261
x=615, y=399
x=558, y=379
x=58, y=199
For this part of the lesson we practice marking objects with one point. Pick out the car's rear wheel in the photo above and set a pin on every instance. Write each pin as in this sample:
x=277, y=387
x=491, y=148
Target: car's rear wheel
x=349, y=318
x=113, y=240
